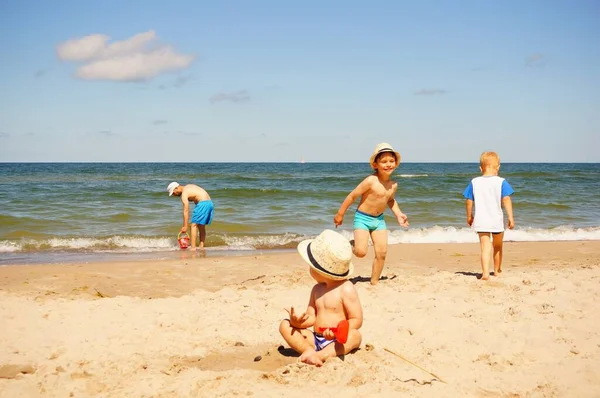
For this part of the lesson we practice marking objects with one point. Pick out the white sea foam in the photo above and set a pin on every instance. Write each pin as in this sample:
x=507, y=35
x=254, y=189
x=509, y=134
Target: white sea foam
x=466, y=235
x=412, y=175
x=260, y=241
x=9, y=247
x=115, y=243
x=430, y=235
x=436, y=234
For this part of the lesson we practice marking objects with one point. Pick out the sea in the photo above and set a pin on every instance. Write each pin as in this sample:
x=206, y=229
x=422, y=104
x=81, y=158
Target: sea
x=88, y=212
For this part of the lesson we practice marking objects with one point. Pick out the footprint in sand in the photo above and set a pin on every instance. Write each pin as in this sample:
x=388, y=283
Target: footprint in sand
x=12, y=371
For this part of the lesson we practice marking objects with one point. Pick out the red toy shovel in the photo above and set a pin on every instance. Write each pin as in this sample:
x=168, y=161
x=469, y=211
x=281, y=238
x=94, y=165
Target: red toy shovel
x=340, y=332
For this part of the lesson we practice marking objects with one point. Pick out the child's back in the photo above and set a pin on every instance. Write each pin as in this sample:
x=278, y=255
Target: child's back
x=487, y=193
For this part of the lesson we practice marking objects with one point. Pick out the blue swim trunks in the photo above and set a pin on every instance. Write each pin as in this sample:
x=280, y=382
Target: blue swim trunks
x=203, y=212
x=369, y=222
x=321, y=342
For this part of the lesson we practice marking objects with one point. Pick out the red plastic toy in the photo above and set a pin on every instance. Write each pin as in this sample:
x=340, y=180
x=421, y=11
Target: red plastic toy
x=340, y=332
x=184, y=240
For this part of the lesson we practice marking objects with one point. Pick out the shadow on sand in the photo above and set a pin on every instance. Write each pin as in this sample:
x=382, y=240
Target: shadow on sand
x=475, y=274
x=287, y=352
x=358, y=279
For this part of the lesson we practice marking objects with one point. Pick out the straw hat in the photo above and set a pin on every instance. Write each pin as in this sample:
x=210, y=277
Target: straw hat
x=381, y=148
x=329, y=254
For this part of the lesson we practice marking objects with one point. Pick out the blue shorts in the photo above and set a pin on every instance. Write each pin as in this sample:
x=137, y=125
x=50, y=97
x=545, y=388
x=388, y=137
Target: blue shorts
x=203, y=212
x=321, y=342
x=369, y=222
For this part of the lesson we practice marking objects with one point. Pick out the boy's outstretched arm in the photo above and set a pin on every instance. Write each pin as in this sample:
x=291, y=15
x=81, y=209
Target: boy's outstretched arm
x=352, y=305
x=507, y=203
x=363, y=187
x=469, y=207
x=395, y=208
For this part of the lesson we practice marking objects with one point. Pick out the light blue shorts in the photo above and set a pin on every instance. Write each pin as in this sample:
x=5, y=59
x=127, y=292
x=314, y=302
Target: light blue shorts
x=321, y=342
x=368, y=222
x=203, y=212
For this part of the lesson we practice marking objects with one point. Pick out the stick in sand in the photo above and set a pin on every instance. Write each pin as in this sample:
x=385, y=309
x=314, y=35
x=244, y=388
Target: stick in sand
x=414, y=364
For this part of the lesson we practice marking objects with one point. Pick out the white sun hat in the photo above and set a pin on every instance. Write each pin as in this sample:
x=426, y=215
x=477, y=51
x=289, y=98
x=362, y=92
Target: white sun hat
x=172, y=187
x=329, y=254
x=381, y=148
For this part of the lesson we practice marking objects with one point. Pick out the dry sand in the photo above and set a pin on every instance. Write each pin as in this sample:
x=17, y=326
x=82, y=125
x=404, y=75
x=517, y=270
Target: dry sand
x=195, y=326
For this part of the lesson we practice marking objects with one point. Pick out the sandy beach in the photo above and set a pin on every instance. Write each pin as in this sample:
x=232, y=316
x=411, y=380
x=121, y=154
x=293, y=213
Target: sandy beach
x=209, y=326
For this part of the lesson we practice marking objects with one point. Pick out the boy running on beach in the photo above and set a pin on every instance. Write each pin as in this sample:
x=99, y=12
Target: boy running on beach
x=376, y=192
x=203, y=211
x=333, y=299
x=489, y=193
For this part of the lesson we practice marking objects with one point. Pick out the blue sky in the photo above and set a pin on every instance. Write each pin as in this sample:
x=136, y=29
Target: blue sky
x=231, y=81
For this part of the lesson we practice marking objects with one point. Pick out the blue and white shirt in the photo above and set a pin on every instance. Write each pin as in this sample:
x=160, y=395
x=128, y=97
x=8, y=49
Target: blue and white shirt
x=487, y=193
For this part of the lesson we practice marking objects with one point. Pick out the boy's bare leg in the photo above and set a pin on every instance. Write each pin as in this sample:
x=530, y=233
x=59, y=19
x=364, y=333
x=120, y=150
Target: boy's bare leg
x=194, y=233
x=202, y=229
x=497, y=244
x=486, y=248
x=334, y=350
x=361, y=242
x=380, y=245
x=300, y=340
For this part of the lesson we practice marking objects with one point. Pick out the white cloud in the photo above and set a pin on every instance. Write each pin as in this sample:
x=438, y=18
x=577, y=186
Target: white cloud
x=132, y=59
x=136, y=66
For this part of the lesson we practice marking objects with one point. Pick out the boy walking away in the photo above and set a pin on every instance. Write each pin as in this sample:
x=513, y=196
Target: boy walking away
x=334, y=310
x=203, y=210
x=376, y=192
x=489, y=193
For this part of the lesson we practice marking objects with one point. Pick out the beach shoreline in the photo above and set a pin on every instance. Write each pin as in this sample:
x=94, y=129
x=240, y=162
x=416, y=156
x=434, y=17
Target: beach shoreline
x=75, y=257
x=195, y=326
x=62, y=257
x=194, y=269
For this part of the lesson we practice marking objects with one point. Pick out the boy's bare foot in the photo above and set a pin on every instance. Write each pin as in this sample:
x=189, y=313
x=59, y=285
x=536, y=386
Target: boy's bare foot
x=485, y=277
x=311, y=357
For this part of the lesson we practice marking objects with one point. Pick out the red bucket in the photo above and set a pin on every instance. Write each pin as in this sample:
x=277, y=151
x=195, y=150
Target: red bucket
x=184, y=240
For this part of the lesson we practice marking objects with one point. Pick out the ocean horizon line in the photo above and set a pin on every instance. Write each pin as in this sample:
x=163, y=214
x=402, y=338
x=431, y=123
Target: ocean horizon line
x=272, y=162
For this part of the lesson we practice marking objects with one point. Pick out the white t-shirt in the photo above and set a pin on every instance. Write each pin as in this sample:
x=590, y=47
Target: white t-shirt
x=487, y=193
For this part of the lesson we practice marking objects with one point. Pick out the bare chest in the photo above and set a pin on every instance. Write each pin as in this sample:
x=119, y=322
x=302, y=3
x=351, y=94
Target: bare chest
x=329, y=303
x=382, y=191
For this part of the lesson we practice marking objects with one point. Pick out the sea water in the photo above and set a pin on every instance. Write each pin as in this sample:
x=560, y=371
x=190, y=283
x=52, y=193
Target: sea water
x=57, y=212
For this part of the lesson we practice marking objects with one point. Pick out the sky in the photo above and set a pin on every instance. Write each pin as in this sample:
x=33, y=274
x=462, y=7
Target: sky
x=277, y=81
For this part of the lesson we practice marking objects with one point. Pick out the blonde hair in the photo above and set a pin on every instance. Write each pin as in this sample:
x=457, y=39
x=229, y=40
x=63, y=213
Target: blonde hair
x=488, y=159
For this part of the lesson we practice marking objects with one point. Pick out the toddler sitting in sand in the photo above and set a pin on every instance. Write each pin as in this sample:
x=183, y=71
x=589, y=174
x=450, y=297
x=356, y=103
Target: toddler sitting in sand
x=333, y=308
